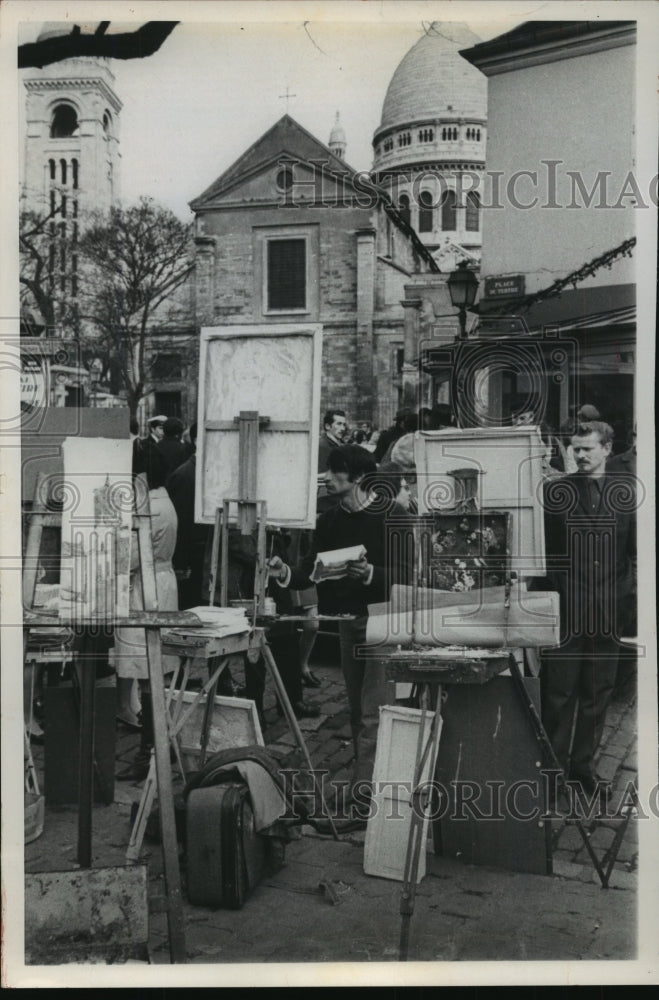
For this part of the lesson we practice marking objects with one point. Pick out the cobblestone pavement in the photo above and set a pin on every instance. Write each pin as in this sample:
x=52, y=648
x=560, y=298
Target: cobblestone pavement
x=462, y=912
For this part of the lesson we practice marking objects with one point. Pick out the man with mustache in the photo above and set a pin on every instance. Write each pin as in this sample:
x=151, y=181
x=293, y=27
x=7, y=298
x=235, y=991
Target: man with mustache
x=590, y=532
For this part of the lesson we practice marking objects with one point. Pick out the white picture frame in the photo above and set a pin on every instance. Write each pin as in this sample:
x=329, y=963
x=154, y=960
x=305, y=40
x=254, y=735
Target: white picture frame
x=509, y=461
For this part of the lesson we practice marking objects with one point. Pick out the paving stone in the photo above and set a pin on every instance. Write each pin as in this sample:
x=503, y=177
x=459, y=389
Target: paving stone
x=333, y=707
x=619, y=879
x=570, y=839
x=607, y=767
x=563, y=857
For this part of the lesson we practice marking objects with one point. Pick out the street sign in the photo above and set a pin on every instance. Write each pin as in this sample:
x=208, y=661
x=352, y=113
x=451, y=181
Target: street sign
x=504, y=287
x=34, y=381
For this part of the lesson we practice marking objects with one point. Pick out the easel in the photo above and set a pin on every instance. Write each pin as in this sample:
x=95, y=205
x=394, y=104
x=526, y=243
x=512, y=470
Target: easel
x=151, y=620
x=251, y=514
x=400, y=665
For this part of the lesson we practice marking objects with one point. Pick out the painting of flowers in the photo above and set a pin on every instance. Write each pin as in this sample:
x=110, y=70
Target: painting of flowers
x=464, y=552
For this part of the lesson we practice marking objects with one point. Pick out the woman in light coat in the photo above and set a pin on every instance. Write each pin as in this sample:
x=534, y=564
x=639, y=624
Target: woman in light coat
x=130, y=643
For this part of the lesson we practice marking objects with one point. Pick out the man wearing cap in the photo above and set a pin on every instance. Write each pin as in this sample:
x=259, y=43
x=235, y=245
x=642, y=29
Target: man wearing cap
x=148, y=449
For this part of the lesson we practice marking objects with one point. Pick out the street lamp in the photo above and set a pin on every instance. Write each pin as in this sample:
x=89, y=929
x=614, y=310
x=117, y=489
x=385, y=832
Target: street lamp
x=462, y=286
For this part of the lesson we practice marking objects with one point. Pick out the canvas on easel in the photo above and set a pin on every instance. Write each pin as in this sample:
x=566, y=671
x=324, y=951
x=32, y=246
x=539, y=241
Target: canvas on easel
x=272, y=370
x=508, y=462
x=96, y=497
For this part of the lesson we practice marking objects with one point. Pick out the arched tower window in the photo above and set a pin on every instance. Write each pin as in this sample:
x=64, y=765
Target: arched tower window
x=107, y=122
x=404, y=209
x=62, y=167
x=52, y=168
x=425, y=212
x=64, y=122
x=449, y=213
x=472, y=214
x=74, y=172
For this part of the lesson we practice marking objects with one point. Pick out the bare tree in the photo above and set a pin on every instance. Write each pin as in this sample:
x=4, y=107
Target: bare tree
x=134, y=261
x=47, y=253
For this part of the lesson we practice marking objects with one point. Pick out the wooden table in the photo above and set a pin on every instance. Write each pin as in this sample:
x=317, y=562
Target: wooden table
x=205, y=654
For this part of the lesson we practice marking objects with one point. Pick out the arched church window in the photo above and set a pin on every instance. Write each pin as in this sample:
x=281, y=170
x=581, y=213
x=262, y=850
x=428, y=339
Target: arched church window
x=52, y=168
x=404, y=209
x=74, y=172
x=64, y=122
x=425, y=212
x=62, y=167
x=449, y=213
x=444, y=131
x=478, y=135
x=107, y=122
x=472, y=214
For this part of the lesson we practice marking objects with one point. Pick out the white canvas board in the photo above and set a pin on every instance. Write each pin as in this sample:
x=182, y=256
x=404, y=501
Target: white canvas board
x=388, y=829
x=97, y=511
x=509, y=462
x=273, y=369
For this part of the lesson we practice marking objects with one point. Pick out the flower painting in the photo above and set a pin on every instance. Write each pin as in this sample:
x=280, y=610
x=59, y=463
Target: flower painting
x=464, y=552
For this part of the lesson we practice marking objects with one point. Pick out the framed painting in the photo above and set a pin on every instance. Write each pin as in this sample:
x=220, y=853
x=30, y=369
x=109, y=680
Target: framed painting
x=508, y=464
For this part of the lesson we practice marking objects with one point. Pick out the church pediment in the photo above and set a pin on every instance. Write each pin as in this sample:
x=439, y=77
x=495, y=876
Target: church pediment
x=249, y=176
x=286, y=181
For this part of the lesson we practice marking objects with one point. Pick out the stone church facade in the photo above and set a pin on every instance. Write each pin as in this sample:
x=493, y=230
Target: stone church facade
x=289, y=232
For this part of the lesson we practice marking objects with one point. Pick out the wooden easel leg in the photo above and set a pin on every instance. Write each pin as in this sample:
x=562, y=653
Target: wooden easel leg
x=86, y=752
x=177, y=948
x=295, y=729
x=415, y=839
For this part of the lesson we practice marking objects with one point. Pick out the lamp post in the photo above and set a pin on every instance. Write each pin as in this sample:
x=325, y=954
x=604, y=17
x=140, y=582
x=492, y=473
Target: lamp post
x=462, y=286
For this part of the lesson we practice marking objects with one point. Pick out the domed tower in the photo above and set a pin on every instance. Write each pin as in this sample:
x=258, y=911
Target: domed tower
x=71, y=149
x=429, y=149
x=337, y=139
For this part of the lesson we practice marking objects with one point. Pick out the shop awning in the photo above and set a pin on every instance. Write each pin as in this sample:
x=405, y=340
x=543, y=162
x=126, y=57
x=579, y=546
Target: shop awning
x=600, y=307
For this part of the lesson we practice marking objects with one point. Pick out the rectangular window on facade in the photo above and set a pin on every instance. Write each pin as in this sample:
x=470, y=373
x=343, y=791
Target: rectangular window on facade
x=286, y=274
x=168, y=403
x=167, y=366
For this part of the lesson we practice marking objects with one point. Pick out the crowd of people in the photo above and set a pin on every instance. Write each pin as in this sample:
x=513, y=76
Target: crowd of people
x=364, y=477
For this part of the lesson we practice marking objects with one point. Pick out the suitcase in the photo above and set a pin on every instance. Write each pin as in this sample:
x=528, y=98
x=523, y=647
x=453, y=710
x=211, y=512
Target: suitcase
x=225, y=855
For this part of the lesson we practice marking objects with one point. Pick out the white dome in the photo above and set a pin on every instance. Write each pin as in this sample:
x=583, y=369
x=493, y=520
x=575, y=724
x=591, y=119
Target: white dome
x=433, y=80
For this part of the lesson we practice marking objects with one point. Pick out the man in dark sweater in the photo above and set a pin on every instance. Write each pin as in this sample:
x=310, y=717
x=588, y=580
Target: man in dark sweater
x=360, y=517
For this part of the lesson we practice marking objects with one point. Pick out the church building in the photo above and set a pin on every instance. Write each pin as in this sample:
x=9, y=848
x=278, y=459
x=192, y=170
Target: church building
x=290, y=232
